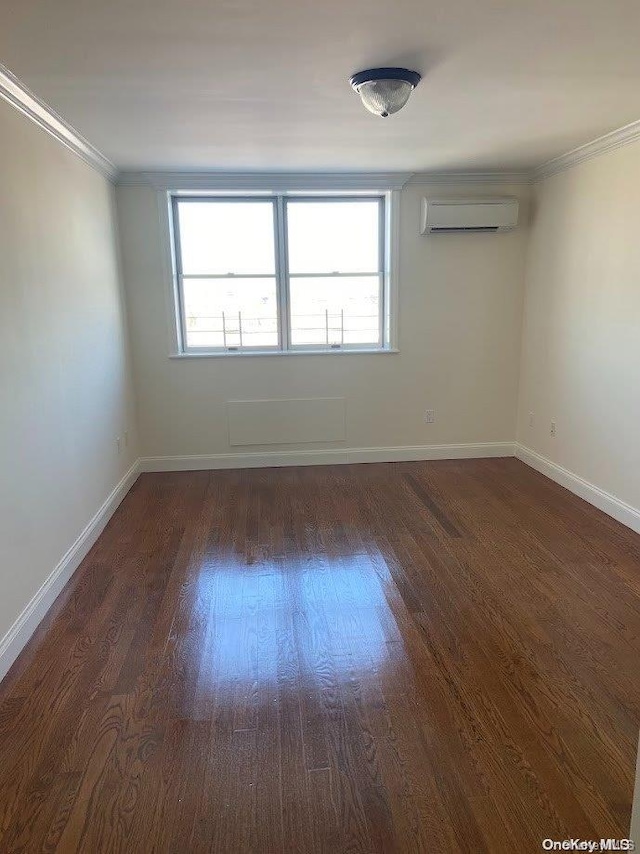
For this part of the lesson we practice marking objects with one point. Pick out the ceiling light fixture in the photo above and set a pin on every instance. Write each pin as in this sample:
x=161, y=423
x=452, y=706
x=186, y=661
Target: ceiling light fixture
x=385, y=90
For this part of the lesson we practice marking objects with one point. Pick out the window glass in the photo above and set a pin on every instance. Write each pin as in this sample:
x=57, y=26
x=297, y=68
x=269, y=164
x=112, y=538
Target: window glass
x=332, y=311
x=231, y=312
x=220, y=237
x=333, y=236
x=280, y=272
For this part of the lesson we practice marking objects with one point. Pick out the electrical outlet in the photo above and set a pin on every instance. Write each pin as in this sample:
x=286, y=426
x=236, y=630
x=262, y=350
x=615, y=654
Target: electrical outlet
x=429, y=416
x=552, y=431
x=118, y=443
x=532, y=418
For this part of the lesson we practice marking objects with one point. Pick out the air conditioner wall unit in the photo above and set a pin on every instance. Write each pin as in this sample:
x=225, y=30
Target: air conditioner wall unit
x=451, y=216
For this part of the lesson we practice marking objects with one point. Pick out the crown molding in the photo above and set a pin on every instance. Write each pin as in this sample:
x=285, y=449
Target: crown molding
x=602, y=145
x=295, y=181
x=266, y=181
x=479, y=177
x=16, y=93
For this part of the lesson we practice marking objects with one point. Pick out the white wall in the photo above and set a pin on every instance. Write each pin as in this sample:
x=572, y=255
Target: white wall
x=581, y=335
x=64, y=377
x=459, y=335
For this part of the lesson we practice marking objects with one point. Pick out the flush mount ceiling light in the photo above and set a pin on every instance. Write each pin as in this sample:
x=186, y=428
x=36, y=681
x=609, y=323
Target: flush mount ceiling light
x=385, y=90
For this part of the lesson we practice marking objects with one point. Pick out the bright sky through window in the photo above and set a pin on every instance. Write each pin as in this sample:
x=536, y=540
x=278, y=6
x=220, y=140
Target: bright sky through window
x=292, y=273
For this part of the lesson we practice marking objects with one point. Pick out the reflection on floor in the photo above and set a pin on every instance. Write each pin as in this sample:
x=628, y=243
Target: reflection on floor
x=436, y=657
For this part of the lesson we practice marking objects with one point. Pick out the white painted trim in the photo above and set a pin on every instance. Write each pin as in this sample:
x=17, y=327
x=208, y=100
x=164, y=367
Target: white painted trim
x=16, y=638
x=328, y=456
x=278, y=182
x=268, y=182
x=392, y=262
x=497, y=177
x=170, y=276
x=605, y=501
x=19, y=96
x=602, y=145
x=261, y=354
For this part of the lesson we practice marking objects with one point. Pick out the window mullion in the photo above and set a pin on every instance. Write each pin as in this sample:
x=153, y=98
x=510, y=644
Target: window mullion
x=282, y=273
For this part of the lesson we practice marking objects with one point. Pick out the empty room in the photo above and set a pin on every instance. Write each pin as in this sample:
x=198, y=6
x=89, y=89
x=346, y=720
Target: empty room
x=320, y=427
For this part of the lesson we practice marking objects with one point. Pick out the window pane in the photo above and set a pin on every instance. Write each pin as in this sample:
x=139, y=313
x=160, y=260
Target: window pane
x=333, y=236
x=219, y=237
x=230, y=312
x=328, y=310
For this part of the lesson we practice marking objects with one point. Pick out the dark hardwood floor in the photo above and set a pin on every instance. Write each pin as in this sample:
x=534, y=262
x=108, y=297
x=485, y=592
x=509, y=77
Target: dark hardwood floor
x=438, y=657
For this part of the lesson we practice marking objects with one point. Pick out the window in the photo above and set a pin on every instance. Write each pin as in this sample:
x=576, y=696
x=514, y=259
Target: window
x=281, y=273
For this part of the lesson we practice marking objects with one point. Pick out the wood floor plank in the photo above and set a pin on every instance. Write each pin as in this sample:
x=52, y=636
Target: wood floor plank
x=413, y=657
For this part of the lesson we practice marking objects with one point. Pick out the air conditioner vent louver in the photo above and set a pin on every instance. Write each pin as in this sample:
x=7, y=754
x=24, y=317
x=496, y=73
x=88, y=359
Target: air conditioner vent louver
x=480, y=215
x=454, y=230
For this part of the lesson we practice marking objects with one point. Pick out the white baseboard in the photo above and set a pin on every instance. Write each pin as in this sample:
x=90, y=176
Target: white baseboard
x=331, y=456
x=20, y=632
x=605, y=501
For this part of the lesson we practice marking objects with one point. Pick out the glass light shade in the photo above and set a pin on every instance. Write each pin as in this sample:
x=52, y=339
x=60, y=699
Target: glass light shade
x=384, y=97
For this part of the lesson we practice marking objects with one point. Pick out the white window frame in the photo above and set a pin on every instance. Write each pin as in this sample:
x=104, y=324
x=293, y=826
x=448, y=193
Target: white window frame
x=389, y=236
x=278, y=274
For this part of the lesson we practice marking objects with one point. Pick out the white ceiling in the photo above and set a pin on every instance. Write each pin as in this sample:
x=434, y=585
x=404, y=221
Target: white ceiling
x=263, y=84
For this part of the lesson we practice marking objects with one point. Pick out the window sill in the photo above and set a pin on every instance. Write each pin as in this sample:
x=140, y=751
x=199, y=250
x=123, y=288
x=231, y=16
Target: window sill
x=287, y=353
